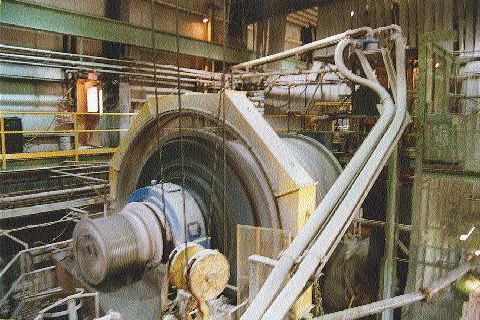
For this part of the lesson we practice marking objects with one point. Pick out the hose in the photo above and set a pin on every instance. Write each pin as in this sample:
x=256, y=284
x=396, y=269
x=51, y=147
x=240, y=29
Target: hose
x=334, y=196
x=332, y=233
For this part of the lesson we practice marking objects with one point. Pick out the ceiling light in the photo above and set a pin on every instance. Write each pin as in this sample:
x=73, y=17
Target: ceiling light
x=352, y=13
x=205, y=20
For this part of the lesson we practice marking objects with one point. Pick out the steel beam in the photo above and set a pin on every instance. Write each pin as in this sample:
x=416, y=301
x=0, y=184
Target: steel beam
x=49, y=207
x=28, y=15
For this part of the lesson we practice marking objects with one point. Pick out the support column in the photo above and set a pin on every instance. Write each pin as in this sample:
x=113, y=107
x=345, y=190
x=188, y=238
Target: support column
x=118, y=95
x=389, y=264
x=124, y=105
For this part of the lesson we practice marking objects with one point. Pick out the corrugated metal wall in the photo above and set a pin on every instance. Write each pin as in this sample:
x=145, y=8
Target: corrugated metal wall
x=414, y=16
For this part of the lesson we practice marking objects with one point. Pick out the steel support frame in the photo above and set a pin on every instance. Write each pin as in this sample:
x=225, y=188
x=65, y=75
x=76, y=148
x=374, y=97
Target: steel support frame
x=33, y=16
x=426, y=48
x=389, y=263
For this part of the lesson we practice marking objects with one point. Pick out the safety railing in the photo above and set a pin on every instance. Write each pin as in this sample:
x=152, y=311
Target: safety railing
x=74, y=125
x=18, y=276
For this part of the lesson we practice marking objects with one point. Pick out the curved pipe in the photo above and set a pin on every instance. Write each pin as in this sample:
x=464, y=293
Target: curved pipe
x=305, y=48
x=332, y=233
x=296, y=90
x=336, y=193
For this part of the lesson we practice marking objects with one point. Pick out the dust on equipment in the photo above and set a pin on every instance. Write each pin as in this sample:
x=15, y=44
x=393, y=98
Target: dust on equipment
x=160, y=240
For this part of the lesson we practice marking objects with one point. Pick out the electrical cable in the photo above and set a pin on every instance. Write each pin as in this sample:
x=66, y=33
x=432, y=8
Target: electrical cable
x=180, y=125
x=158, y=146
x=224, y=153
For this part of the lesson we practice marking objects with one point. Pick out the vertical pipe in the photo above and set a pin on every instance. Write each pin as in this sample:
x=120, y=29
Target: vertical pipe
x=389, y=267
x=4, y=148
x=420, y=112
x=97, y=304
x=209, y=37
x=72, y=312
x=124, y=98
x=75, y=134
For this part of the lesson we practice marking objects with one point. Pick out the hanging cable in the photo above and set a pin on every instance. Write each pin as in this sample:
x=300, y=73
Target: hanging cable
x=158, y=146
x=180, y=125
x=224, y=153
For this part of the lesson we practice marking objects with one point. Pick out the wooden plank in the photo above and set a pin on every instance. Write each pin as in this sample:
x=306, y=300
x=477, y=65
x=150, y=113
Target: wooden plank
x=345, y=15
x=362, y=13
x=371, y=13
x=358, y=13
x=389, y=12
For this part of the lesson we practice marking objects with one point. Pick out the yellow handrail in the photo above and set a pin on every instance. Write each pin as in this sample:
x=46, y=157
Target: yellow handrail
x=4, y=145
x=76, y=151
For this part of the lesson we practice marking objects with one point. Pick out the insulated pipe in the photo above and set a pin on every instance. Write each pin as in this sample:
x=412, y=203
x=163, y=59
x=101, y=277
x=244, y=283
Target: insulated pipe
x=327, y=240
x=329, y=87
x=143, y=65
x=302, y=49
x=289, y=257
x=96, y=66
x=126, y=63
x=139, y=75
x=44, y=99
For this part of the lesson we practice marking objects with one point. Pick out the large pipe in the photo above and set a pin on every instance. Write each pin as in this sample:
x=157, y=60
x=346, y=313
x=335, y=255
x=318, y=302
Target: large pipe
x=402, y=300
x=302, y=49
x=16, y=99
x=337, y=192
x=299, y=93
x=111, y=62
x=324, y=245
x=85, y=65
